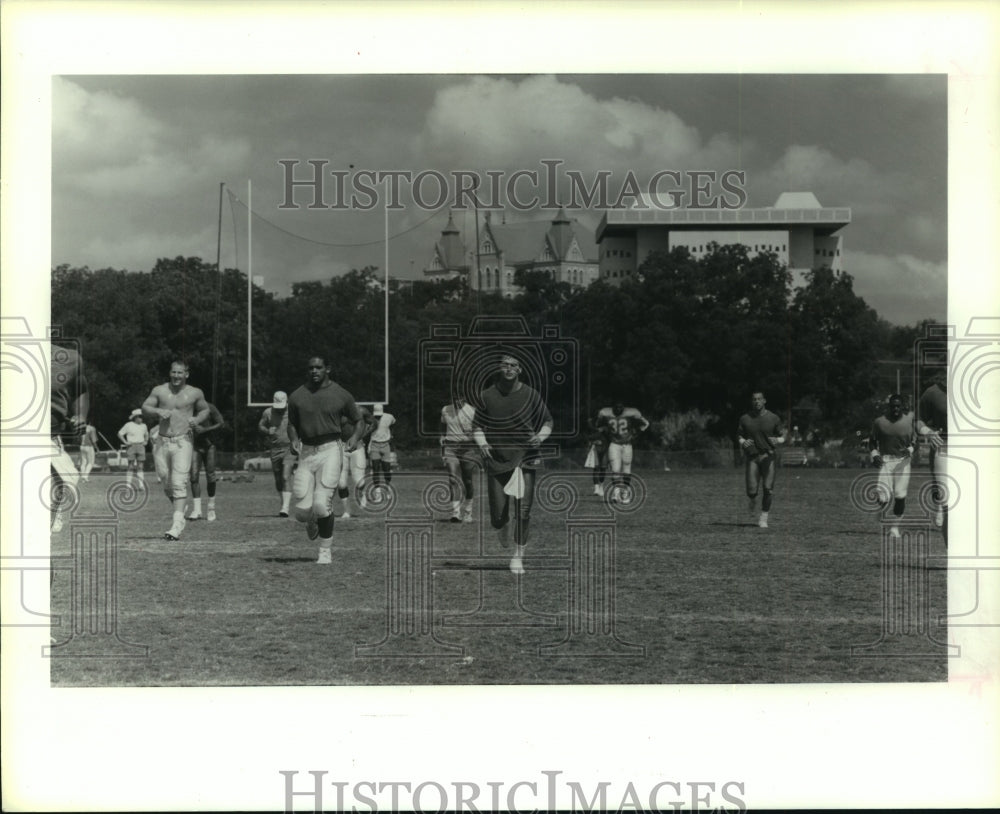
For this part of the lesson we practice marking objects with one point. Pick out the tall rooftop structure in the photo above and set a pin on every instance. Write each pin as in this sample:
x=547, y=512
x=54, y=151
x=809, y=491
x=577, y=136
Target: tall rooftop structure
x=798, y=229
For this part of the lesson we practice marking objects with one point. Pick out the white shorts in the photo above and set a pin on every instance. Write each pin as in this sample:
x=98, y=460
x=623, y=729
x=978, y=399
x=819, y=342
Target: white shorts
x=355, y=464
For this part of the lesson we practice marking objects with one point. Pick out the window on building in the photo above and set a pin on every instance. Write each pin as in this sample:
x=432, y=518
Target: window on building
x=487, y=246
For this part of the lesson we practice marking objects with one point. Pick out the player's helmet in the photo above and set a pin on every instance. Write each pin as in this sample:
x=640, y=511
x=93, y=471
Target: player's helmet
x=618, y=408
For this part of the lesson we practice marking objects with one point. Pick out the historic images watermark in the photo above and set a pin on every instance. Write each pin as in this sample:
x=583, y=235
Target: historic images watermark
x=550, y=791
x=959, y=365
x=521, y=190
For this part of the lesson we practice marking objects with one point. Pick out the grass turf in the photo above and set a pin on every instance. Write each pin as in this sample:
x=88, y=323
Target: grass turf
x=700, y=593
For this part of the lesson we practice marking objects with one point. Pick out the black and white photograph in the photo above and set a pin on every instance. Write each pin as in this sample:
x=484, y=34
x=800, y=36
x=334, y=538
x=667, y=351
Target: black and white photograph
x=404, y=399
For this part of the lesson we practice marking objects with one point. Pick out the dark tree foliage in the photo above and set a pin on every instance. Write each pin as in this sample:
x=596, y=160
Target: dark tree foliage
x=684, y=334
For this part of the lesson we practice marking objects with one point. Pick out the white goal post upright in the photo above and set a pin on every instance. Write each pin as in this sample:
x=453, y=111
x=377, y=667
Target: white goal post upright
x=375, y=397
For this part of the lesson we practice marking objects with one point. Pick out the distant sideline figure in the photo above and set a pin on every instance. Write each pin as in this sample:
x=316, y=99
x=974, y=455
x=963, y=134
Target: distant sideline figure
x=380, y=448
x=508, y=429
x=69, y=400
x=316, y=411
x=134, y=434
x=204, y=454
x=622, y=425
x=932, y=422
x=178, y=407
x=760, y=431
x=274, y=425
x=892, y=441
x=458, y=453
x=88, y=452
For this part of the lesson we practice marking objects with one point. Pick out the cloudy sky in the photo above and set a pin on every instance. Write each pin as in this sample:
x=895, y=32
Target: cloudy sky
x=138, y=160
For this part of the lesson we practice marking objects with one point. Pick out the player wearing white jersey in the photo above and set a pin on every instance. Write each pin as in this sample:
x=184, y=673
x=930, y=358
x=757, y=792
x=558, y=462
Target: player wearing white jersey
x=622, y=424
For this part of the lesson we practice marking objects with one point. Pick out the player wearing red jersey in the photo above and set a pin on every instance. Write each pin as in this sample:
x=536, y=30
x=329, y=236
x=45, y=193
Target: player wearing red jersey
x=760, y=432
x=621, y=425
x=892, y=441
x=316, y=412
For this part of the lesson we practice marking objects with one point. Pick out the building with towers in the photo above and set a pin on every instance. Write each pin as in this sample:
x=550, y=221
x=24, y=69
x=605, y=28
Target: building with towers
x=560, y=248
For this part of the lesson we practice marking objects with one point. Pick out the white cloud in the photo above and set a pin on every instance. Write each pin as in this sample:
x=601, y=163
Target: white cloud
x=507, y=124
x=108, y=146
x=902, y=288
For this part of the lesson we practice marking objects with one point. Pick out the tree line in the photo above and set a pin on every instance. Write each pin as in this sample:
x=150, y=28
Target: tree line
x=685, y=337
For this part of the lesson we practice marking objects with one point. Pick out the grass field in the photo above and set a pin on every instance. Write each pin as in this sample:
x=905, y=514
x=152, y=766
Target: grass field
x=699, y=594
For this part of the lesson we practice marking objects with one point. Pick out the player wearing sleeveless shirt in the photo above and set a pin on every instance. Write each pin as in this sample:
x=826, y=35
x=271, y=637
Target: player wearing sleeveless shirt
x=760, y=431
x=892, y=441
x=179, y=407
x=458, y=453
x=204, y=454
x=316, y=412
x=511, y=424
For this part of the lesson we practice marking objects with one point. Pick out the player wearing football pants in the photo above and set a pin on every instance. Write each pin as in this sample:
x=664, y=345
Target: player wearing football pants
x=355, y=464
x=892, y=441
x=622, y=425
x=179, y=407
x=316, y=412
x=933, y=423
x=457, y=450
x=760, y=432
x=508, y=429
x=69, y=400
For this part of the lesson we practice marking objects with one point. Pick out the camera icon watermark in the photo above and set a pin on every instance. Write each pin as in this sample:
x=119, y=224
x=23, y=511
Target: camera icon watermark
x=456, y=363
x=44, y=381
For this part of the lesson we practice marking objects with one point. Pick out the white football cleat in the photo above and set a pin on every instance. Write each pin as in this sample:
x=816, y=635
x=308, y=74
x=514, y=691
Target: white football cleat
x=762, y=523
x=345, y=516
x=939, y=518
x=211, y=516
x=195, y=516
x=325, y=556
x=57, y=524
x=894, y=532
x=467, y=517
x=516, y=566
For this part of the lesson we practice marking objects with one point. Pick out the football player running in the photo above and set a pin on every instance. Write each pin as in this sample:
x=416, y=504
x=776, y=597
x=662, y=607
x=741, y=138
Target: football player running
x=760, y=431
x=892, y=441
x=622, y=424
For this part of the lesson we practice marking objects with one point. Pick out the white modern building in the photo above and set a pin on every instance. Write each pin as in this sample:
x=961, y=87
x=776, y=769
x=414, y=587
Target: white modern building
x=801, y=232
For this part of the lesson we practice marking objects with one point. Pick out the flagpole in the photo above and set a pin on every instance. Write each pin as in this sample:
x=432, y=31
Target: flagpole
x=249, y=283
